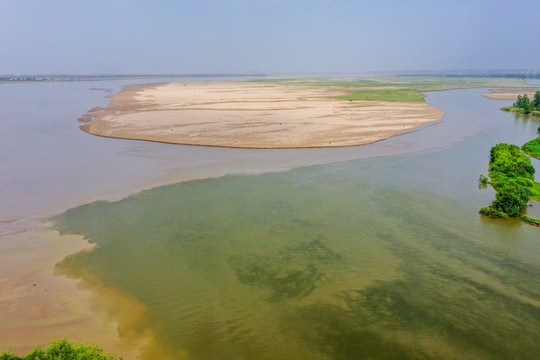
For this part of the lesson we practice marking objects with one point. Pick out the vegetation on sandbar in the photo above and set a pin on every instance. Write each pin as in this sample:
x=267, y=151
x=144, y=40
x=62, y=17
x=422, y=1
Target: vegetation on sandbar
x=512, y=176
x=526, y=106
x=62, y=350
x=386, y=95
x=398, y=88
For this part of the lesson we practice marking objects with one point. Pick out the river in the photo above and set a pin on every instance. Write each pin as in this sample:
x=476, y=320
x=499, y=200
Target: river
x=367, y=252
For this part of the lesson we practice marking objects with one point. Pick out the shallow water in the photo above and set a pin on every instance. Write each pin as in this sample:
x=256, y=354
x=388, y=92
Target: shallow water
x=379, y=258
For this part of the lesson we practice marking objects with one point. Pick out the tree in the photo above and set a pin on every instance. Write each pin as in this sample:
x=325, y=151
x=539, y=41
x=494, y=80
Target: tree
x=536, y=101
x=511, y=200
x=519, y=101
x=524, y=103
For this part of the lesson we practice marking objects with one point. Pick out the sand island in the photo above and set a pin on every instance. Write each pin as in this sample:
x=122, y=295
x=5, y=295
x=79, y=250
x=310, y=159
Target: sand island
x=247, y=114
x=508, y=94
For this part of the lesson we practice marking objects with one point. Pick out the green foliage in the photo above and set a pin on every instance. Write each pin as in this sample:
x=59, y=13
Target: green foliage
x=524, y=103
x=62, y=350
x=492, y=213
x=536, y=100
x=386, y=95
x=510, y=161
x=526, y=106
x=531, y=220
x=536, y=192
x=483, y=179
x=532, y=147
x=511, y=200
x=512, y=176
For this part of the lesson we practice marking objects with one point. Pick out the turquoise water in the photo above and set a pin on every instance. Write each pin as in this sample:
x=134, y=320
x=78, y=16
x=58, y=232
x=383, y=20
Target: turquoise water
x=378, y=258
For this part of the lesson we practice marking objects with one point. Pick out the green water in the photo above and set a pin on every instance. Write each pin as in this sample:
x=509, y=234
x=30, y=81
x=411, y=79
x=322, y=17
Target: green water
x=382, y=258
x=315, y=263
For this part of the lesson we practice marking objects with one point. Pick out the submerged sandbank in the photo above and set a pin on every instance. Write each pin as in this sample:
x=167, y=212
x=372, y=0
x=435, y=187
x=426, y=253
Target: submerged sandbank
x=253, y=115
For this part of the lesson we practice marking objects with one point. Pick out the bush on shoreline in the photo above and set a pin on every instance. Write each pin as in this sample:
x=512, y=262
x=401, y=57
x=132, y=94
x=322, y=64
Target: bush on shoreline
x=62, y=350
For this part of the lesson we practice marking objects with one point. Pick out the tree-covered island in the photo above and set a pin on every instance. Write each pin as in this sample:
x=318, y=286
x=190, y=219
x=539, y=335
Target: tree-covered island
x=525, y=105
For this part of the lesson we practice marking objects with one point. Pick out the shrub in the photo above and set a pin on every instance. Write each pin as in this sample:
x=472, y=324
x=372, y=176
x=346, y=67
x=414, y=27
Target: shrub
x=492, y=213
x=511, y=200
x=62, y=350
x=483, y=179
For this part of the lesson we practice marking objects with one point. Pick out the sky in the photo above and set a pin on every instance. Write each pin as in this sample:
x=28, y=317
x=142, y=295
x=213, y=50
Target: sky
x=266, y=36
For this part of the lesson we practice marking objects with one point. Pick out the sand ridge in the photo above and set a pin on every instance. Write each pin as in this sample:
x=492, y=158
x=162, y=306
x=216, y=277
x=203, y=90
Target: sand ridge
x=243, y=114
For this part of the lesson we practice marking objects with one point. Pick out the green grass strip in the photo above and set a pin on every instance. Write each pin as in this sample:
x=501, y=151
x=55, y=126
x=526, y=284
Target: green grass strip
x=536, y=192
x=521, y=111
x=386, y=95
x=532, y=148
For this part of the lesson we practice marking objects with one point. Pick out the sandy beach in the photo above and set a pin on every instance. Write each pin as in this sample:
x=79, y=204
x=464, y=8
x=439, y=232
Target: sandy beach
x=252, y=115
x=508, y=94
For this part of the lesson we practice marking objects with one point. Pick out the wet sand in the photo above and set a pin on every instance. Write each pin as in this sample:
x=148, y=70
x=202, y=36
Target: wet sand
x=252, y=115
x=39, y=305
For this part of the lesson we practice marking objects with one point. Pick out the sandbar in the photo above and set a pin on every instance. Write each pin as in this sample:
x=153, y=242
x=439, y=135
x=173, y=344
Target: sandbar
x=245, y=114
x=508, y=94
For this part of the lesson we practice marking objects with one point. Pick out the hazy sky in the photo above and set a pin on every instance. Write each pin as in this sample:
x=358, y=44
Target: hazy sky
x=266, y=36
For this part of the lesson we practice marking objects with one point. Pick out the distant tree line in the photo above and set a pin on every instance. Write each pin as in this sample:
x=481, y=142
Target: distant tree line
x=17, y=78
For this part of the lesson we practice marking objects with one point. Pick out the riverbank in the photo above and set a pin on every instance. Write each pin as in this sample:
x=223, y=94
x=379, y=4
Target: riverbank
x=253, y=115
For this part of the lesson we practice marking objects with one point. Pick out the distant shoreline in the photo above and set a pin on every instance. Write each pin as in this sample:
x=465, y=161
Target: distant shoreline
x=17, y=79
